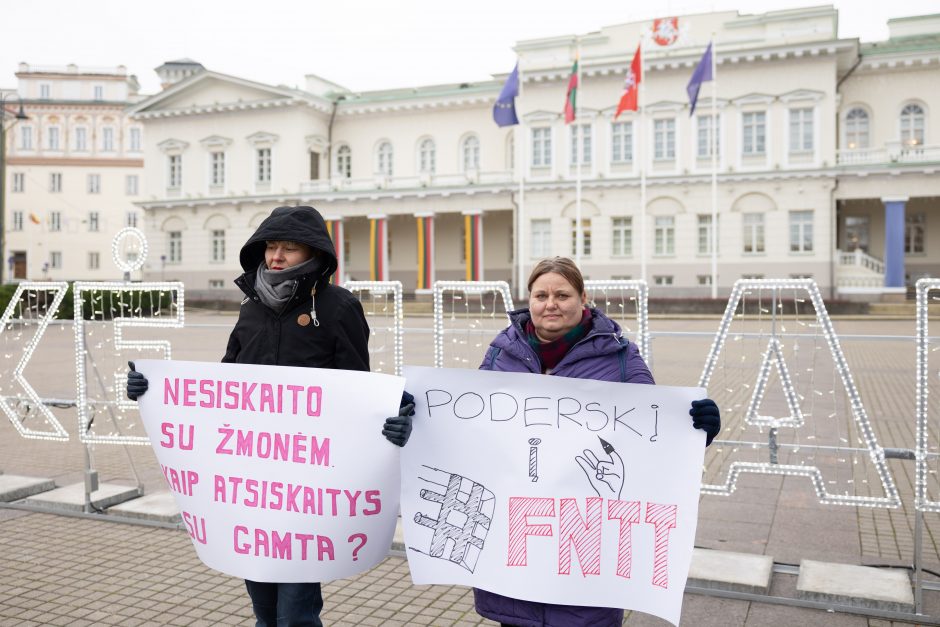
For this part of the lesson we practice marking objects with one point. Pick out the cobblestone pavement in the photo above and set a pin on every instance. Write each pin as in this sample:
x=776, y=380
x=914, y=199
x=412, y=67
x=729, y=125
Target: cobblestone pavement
x=58, y=570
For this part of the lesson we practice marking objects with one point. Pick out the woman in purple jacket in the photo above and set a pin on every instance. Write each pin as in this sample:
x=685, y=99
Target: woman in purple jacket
x=560, y=335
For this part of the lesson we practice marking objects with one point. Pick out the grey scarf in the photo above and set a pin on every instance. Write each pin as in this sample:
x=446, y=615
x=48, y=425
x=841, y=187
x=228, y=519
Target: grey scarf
x=275, y=287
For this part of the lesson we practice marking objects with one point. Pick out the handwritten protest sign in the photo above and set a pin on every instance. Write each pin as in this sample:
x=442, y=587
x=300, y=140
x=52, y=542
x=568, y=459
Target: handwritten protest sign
x=281, y=474
x=551, y=489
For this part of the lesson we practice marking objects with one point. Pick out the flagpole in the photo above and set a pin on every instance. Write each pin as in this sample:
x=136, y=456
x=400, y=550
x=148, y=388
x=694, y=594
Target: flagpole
x=714, y=147
x=520, y=166
x=641, y=157
x=579, y=156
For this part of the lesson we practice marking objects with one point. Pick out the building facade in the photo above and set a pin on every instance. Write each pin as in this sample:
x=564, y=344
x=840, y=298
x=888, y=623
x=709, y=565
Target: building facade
x=74, y=171
x=826, y=163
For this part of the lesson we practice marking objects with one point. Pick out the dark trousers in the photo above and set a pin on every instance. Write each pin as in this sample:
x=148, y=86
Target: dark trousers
x=285, y=604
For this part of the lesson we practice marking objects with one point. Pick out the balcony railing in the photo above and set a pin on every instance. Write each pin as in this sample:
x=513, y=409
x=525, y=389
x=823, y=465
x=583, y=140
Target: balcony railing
x=379, y=181
x=860, y=259
x=890, y=153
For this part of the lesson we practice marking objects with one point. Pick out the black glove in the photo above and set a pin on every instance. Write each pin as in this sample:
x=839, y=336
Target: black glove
x=137, y=383
x=705, y=416
x=397, y=429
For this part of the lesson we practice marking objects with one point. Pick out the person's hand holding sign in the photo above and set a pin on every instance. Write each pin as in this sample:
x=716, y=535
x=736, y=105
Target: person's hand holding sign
x=606, y=476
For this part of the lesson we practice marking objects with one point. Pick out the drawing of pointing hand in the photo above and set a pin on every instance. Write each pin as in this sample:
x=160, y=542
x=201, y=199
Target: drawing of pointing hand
x=606, y=475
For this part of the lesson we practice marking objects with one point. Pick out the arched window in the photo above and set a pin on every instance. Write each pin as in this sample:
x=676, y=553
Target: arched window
x=471, y=153
x=427, y=157
x=383, y=159
x=344, y=162
x=856, y=129
x=912, y=125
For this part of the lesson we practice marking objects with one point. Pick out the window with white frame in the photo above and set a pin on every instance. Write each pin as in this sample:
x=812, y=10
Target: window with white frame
x=801, y=231
x=540, y=238
x=857, y=129
x=53, y=137
x=263, y=165
x=130, y=219
x=134, y=140
x=704, y=279
x=81, y=139
x=621, y=142
x=94, y=260
x=131, y=185
x=664, y=139
x=93, y=221
x=704, y=234
x=45, y=91
x=216, y=284
x=17, y=220
x=99, y=92
x=175, y=247
x=621, y=233
x=752, y=276
x=55, y=182
x=427, y=157
x=19, y=182
x=708, y=139
x=801, y=130
x=662, y=279
x=217, y=168
x=753, y=224
x=664, y=240
x=912, y=125
x=94, y=183
x=754, y=133
x=915, y=229
x=107, y=139
x=585, y=237
x=541, y=147
x=580, y=135
x=383, y=159
x=344, y=162
x=217, y=244
x=55, y=220
x=174, y=171
x=26, y=138
x=55, y=260
x=470, y=151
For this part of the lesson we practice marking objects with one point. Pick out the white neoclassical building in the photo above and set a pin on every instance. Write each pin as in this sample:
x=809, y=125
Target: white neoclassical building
x=826, y=167
x=74, y=170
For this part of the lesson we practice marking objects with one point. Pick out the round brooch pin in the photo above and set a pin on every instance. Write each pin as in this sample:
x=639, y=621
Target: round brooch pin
x=303, y=319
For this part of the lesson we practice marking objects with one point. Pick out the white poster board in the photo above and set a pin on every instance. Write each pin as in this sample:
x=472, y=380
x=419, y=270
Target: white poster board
x=551, y=489
x=280, y=474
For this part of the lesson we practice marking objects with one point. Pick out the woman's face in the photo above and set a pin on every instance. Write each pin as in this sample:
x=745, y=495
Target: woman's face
x=555, y=306
x=280, y=255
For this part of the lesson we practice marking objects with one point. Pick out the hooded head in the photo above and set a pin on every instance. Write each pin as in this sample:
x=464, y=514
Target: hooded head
x=296, y=224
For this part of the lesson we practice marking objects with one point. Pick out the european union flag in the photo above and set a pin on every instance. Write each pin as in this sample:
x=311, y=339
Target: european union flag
x=504, y=111
x=702, y=73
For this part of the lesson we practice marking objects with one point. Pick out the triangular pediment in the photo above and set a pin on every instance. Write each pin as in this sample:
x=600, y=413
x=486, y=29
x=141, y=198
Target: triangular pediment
x=211, y=89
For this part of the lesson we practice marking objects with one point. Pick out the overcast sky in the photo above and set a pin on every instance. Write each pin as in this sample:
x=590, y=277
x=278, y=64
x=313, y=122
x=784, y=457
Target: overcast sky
x=360, y=44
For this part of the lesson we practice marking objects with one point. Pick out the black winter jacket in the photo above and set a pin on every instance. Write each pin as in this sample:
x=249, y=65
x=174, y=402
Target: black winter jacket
x=322, y=326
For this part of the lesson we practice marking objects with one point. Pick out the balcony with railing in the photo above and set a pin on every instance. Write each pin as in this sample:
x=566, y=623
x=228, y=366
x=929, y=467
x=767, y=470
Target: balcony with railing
x=858, y=270
x=426, y=180
x=892, y=153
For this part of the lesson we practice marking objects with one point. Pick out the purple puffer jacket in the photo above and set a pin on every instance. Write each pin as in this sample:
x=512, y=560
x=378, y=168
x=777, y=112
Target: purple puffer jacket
x=602, y=355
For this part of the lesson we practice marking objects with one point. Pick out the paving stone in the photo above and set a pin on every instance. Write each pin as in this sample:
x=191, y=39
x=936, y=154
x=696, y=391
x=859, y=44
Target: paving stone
x=861, y=586
x=16, y=487
x=72, y=497
x=740, y=572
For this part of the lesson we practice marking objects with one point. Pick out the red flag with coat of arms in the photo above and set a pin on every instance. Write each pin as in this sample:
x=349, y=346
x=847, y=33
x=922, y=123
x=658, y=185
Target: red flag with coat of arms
x=628, y=101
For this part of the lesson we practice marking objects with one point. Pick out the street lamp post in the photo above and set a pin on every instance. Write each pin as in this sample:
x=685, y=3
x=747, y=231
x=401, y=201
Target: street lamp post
x=20, y=115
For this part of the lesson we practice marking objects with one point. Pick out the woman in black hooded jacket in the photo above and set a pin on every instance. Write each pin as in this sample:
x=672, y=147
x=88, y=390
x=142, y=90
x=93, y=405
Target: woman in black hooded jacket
x=292, y=316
